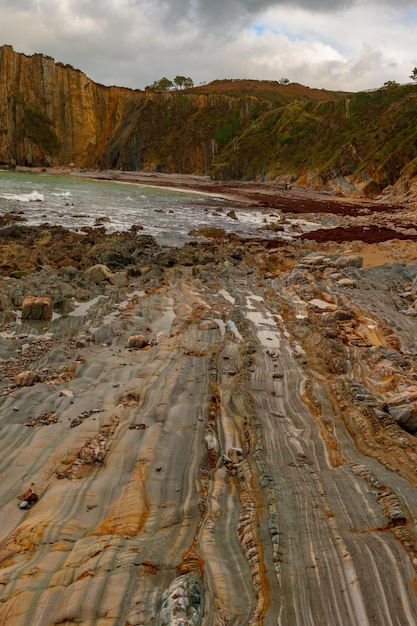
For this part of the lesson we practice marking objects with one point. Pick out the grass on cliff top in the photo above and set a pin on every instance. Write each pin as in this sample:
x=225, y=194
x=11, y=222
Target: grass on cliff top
x=266, y=89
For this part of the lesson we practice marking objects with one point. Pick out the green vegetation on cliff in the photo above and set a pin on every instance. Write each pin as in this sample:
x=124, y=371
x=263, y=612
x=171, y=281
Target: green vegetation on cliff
x=363, y=139
x=238, y=129
x=358, y=142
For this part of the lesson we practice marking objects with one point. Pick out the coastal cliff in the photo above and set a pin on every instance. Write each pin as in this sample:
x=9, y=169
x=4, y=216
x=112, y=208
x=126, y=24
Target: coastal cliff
x=51, y=114
x=359, y=144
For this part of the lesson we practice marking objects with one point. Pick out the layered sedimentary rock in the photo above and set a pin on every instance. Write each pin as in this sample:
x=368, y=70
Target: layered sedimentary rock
x=221, y=441
x=360, y=144
x=51, y=113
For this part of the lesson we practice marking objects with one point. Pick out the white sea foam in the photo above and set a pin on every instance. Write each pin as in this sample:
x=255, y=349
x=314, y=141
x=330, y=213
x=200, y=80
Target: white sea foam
x=33, y=196
x=63, y=194
x=168, y=215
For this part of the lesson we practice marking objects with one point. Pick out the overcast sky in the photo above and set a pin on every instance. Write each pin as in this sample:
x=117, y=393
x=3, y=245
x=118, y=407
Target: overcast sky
x=333, y=44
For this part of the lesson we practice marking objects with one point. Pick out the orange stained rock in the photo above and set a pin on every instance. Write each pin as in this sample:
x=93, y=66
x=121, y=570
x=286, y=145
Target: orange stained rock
x=131, y=510
x=336, y=456
x=149, y=567
x=30, y=496
x=191, y=563
x=25, y=539
x=37, y=308
x=85, y=574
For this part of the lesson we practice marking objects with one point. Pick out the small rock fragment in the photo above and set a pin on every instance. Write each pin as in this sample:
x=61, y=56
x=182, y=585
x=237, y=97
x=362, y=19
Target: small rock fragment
x=28, y=498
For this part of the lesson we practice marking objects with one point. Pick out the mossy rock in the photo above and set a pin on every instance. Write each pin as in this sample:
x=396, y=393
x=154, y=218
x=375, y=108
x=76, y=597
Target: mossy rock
x=18, y=274
x=209, y=232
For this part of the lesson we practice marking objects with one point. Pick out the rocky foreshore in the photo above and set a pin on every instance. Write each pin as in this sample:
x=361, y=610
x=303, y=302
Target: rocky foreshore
x=217, y=434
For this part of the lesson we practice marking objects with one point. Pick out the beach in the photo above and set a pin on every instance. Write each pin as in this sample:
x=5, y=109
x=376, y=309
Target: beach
x=218, y=433
x=382, y=230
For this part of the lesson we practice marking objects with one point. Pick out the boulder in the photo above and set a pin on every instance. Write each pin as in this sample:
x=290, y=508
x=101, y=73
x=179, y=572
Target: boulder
x=99, y=273
x=276, y=227
x=314, y=258
x=347, y=282
x=138, y=341
x=235, y=454
x=37, y=308
x=349, y=261
x=5, y=302
x=337, y=316
x=105, y=334
x=7, y=312
x=26, y=379
x=30, y=497
x=120, y=279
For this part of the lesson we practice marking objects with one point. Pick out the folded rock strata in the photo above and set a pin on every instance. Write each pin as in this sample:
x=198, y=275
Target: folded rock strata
x=247, y=467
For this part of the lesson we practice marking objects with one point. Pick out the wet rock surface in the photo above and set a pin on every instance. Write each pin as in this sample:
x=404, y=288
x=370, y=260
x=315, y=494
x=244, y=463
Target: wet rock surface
x=225, y=436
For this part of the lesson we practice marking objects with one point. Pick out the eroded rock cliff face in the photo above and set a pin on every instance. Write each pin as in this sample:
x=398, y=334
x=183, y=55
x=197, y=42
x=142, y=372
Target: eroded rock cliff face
x=354, y=143
x=54, y=114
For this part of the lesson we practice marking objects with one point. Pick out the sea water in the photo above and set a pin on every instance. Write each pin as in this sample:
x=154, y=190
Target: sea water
x=166, y=214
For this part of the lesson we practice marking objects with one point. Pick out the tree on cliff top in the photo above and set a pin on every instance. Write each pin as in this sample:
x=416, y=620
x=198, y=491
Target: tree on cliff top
x=413, y=74
x=164, y=84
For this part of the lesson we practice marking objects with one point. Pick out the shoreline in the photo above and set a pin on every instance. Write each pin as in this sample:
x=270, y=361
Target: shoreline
x=259, y=194
x=381, y=233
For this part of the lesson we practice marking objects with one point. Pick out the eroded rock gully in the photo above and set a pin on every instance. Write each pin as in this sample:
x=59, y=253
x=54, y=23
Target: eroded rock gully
x=253, y=462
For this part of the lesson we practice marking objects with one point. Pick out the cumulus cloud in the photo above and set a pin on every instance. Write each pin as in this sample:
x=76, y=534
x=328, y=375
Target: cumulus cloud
x=339, y=44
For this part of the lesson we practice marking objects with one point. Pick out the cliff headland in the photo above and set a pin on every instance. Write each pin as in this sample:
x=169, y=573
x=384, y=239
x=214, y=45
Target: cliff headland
x=358, y=144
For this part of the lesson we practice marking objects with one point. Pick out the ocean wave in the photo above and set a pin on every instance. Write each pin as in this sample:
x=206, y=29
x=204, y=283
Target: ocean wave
x=63, y=194
x=33, y=196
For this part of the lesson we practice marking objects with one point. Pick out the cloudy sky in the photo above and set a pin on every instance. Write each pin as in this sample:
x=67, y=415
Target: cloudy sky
x=333, y=44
